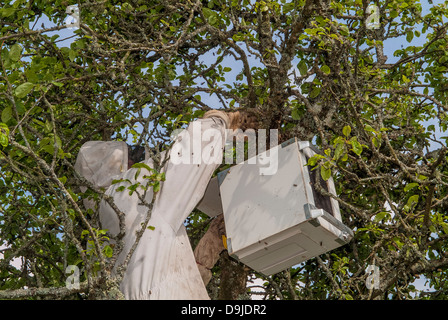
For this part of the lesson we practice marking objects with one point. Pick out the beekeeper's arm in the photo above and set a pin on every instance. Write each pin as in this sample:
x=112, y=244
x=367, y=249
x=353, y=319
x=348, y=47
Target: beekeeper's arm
x=211, y=245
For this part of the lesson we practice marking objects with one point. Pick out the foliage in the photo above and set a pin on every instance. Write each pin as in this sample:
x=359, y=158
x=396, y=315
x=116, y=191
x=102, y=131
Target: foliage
x=137, y=70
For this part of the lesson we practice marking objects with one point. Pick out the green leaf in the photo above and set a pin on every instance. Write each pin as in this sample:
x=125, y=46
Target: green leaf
x=398, y=242
x=127, y=6
x=287, y=7
x=296, y=114
x=315, y=92
x=151, y=228
x=6, y=12
x=314, y=159
x=410, y=186
x=326, y=69
x=84, y=233
x=15, y=52
x=6, y=114
x=133, y=187
x=141, y=165
x=58, y=84
x=357, y=147
x=409, y=36
x=137, y=173
x=325, y=173
x=412, y=200
x=115, y=181
x=72, y=54
x=380, y=216
x=210, y=15
x=339, y=151
x=303, y=68
x=120, y=188
x=346, y=131
x=369, y=128
x=445, y=227
x=3, y=140
x=63, y=179
x=101, y=232
x=312, y=162
x=49, y=148
x=22, y=90
x=108, y=251
x=156, y=187
x=344, y=30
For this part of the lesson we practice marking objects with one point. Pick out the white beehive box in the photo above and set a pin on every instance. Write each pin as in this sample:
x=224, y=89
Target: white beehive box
x=276, y=221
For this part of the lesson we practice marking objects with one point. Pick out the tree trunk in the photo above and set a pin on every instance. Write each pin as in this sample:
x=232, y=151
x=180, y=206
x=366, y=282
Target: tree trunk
x=233, y=279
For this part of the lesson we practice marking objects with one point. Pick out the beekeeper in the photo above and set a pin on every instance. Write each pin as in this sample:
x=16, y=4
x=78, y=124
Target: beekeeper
x=163, y=265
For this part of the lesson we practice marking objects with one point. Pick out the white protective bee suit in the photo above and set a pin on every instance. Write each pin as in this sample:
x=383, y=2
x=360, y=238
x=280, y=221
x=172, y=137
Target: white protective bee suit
x=163, y=265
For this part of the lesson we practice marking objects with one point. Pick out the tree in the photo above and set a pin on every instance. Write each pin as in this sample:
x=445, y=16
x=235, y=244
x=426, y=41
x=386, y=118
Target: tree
x=137, y=70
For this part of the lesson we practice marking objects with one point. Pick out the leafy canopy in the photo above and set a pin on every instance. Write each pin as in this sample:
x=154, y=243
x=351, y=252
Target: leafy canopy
x=136, y=70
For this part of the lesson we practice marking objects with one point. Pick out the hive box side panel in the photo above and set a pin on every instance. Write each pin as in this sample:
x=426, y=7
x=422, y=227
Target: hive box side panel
x=258, y=206
x=211, y=202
